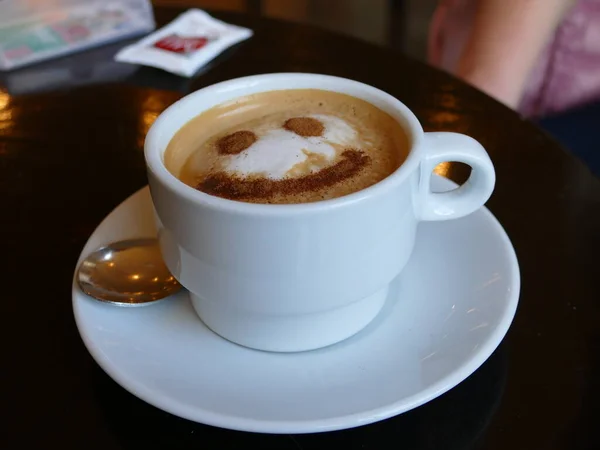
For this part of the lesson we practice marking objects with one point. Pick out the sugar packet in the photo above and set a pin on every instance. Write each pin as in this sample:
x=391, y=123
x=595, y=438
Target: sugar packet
x=184, y=45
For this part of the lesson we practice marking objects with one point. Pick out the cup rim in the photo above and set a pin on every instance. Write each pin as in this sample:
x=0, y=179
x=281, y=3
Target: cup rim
x=154, y=154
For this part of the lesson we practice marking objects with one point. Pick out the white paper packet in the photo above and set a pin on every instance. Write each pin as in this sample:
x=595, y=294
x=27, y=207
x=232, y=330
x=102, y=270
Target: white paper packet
x=184, y=45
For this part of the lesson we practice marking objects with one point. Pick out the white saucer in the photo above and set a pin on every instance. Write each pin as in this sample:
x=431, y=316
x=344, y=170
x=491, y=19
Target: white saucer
x=448, y=311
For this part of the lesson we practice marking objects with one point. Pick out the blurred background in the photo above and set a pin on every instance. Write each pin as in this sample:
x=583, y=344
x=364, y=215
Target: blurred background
x=401, y=24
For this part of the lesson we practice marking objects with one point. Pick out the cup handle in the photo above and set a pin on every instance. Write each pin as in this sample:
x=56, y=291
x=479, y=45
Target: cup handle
x=442, y=147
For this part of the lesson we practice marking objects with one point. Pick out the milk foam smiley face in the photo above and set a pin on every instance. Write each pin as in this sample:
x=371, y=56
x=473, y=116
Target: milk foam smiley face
x=299, y=155
x=291, y=146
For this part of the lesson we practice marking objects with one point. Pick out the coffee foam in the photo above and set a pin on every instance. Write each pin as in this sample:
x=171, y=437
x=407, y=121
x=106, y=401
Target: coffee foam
x=290, y=146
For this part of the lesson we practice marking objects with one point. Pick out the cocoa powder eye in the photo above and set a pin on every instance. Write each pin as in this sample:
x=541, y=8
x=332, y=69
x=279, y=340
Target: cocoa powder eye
x=304, y=126
x=235, y=143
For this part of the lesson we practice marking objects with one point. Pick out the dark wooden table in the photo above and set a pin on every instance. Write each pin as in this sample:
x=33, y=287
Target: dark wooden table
x=68, y=156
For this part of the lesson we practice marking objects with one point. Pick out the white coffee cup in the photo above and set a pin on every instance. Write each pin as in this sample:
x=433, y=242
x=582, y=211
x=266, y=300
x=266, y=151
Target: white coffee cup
x=302, y=276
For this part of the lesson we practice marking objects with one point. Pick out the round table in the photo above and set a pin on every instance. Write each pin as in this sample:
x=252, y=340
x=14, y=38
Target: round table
x=69, y=156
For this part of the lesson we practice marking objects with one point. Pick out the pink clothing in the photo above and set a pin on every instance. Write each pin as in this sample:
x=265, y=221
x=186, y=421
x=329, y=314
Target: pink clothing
x=567, y=73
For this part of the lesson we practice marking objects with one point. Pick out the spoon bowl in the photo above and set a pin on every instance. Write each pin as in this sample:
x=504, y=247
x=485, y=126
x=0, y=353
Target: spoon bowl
x=127, y=273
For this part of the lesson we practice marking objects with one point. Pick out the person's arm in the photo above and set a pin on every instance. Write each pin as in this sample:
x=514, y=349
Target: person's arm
x=506, y=38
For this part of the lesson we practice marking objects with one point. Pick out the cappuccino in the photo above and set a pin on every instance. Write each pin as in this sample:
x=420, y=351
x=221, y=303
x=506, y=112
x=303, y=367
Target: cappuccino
x=287, y=146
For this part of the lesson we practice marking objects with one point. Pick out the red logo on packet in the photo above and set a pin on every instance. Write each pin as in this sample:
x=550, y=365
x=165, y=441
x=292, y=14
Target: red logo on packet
x=178, y=44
